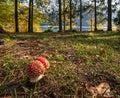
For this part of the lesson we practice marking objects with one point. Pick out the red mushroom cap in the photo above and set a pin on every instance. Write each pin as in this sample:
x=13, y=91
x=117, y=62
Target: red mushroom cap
x=35, y=70
x=44, y=61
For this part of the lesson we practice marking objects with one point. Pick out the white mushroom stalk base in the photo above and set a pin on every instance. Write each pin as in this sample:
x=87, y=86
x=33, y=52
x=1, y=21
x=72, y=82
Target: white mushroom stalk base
x=36, y=79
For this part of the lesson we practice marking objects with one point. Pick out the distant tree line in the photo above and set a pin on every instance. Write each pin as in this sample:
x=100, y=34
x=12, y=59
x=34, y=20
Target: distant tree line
x=69, y=9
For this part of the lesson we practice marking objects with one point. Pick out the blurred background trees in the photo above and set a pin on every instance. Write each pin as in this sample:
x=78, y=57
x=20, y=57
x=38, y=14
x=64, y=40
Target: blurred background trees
x=59, y=15
x=117, y=20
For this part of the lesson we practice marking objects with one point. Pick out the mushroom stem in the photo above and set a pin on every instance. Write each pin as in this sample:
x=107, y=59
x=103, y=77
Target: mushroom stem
x=36, y=79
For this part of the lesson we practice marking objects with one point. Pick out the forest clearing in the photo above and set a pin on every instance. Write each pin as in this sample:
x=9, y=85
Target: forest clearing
x=75, y=59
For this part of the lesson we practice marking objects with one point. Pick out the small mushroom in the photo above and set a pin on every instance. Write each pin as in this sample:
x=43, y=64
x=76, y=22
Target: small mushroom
x=102, y=51
x=35, y=71
x=44, y=61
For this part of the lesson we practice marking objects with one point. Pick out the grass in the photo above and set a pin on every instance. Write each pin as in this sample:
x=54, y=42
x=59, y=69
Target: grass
x=75, y=59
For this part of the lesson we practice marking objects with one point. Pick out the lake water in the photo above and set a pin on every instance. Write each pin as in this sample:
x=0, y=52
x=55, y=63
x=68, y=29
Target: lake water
x=56, y=28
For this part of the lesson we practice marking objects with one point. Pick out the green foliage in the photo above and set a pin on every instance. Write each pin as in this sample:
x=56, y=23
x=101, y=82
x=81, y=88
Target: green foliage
x=6, y=11
x=117, y=19
x=7, y=17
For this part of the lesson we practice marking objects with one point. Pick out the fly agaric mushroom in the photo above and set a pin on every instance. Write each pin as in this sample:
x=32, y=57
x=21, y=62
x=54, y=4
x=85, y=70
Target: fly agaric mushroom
x=44, y=61
x=35, y=71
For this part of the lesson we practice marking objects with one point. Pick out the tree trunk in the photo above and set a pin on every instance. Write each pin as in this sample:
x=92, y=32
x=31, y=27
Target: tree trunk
x=60, y=19
x=70, y=15
x=16, y=17
x=64, y=15
x=30, y=17
x=95, y=12
x=109, y=16
x=91, y=22
x=80, y=15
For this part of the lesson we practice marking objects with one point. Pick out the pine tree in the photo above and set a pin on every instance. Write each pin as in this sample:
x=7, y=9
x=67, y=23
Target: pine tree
x=109, y=15
x=16, y=16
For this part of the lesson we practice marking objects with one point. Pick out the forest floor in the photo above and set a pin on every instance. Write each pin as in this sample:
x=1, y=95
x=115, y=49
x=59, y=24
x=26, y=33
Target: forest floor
x=75, y=59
